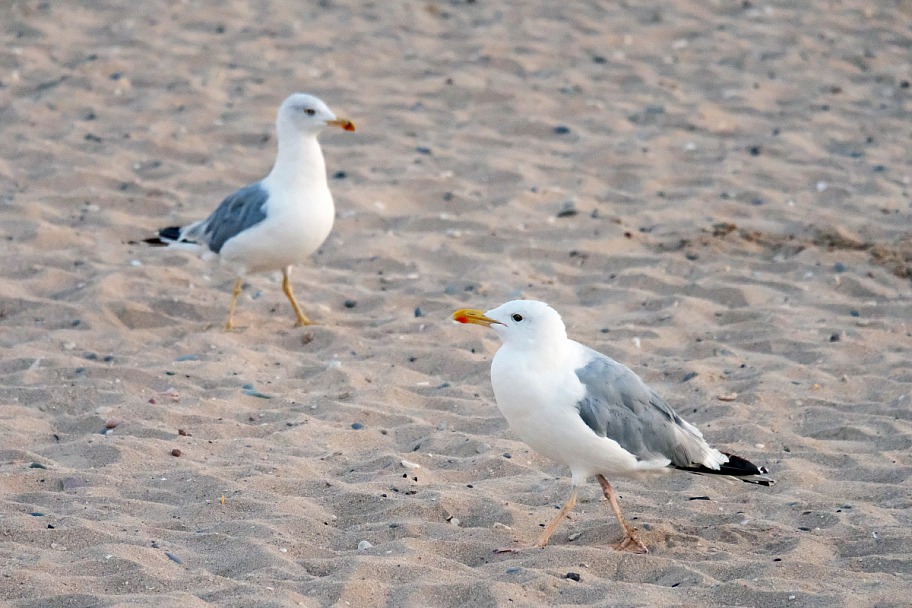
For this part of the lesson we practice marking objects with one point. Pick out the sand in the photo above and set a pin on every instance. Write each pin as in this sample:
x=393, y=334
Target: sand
x=714, y=193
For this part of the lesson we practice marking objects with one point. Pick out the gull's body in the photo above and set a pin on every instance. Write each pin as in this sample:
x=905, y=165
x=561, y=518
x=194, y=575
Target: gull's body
x=587, y=411
x=277, y=222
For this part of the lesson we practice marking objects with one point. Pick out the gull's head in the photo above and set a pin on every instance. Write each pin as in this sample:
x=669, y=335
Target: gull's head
x=304, y=113
x=520, y=323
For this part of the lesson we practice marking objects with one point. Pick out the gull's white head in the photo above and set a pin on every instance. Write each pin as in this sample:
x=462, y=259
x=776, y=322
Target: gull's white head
x=522, y=324
x=304, y=113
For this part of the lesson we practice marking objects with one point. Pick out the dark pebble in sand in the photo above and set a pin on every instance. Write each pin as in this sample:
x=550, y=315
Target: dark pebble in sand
x=37, y=465
x=513, y=570
x=36, y=514
x=90, y=356
x=698, y=498
x=176, y=452
x=443, y=385
x=108, y=358
x=561, y=130
x=567, y=210
x=507, y=455
x=689, y=376
x=419, y=312
x=573, y=576
x=187, y=358
x=340, y=175
x=174, y=558
x=357, y=426
x=423, y=150
x=839, y=267
x=834, y=338
x=350, y=303
x=754, y=150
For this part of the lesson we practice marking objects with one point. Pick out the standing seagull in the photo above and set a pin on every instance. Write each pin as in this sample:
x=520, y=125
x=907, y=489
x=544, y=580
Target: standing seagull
x=280, y=220
x=580, y=408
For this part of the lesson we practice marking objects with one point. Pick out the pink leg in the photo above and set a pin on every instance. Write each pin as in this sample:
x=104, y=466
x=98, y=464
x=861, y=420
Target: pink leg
x=630, y=542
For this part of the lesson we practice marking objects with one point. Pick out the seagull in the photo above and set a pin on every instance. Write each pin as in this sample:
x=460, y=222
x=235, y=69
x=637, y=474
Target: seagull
x=278, y=221
x=580, y=408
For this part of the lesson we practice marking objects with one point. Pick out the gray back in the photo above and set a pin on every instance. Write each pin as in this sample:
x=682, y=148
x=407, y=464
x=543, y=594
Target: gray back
x=618, y=405
x=238, y=212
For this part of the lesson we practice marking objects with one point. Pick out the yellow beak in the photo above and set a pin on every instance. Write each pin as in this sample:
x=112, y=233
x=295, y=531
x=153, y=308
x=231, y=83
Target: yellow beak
x=342, y=123
x=477, y=317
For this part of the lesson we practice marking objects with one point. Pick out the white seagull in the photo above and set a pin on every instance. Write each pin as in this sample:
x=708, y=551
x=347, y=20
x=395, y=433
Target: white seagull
x=278, y=221
x=589, y=412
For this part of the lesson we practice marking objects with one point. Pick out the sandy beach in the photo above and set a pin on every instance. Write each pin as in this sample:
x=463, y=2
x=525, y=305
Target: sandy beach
x=716, y=194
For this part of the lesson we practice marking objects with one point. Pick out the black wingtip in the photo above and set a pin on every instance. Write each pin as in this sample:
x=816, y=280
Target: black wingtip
x=738, y=467
x=165, y=237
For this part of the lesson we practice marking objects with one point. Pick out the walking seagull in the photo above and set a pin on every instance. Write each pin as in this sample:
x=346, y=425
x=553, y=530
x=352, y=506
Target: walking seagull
x=589, y=412
x=278, y=221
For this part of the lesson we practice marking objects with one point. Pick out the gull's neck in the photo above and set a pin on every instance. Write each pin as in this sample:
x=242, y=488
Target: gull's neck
x=299, y=161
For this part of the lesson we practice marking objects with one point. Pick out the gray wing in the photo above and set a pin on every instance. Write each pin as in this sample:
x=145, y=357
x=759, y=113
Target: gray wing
x=619, y=406
x=238, y=212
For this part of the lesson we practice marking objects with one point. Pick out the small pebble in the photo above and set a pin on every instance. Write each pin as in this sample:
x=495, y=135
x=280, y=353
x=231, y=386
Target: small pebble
x=183, y=433
x=350, y=303
x=36, y=514
x=698, y=498
x=839, y=267
x=513, y=570
x=419, y=312
x=728, y=397
x=174, y=558
x=561, y=130
x=408, y=464
x=113, y=423
x=573, y=536
x=573, y=576
x=340, y=175
x=176, y=452
x=357, y=426
x=568, y=209
x=37, y=465
x=364, y=545
x=689, y=376
x=187, y=358
x=252, y=393
x=507, y=455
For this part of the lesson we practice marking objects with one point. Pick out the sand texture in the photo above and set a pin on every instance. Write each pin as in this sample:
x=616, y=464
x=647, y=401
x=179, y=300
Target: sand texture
x=716, y=194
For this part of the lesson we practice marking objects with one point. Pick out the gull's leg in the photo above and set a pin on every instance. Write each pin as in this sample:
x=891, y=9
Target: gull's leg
x=229, y=324
x=286, y=287
x=630, y=541
x=549, y=529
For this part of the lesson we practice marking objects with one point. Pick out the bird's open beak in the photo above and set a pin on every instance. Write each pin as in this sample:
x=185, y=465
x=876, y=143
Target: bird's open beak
x=470, y=315
x=342, y=123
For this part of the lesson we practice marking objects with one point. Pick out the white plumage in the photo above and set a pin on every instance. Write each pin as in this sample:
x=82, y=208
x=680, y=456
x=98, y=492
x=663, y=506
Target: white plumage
x=587, y=411
x=277, y=222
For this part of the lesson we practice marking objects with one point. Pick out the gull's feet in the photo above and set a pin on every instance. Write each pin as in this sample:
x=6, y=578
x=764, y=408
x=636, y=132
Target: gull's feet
x=631, y=543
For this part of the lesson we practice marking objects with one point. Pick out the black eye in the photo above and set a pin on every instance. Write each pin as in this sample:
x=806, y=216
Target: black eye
x=516, y=317
x=310, y=111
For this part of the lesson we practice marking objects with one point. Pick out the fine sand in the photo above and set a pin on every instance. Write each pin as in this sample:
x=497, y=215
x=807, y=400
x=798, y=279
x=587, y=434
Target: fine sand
x=716, y=194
